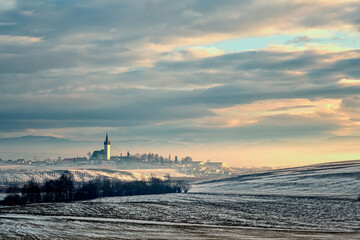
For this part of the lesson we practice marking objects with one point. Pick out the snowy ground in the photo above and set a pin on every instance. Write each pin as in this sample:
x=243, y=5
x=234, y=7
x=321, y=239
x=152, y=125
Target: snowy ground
x=272, y=205
x=54, y=227
x=334, y=180
x=21, y=174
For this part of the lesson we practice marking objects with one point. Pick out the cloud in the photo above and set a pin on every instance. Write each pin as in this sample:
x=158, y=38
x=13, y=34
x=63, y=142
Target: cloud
x=345, y=81
x=352, y=102
x=84, y=27
x=18, y=39
x=192, y=53
x=6, y=5
x=321, y=48
x=151, y=71
x=299, y=40
x=252, y=113
x=2, y=24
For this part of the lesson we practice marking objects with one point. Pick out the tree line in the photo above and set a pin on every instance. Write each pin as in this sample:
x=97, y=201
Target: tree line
x=155, y=158
x=65, y=189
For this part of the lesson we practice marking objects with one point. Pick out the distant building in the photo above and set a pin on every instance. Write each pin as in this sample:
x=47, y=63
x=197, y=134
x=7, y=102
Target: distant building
x=103, y=154
x=216, y=164
x=20, y=161
x=107, y=147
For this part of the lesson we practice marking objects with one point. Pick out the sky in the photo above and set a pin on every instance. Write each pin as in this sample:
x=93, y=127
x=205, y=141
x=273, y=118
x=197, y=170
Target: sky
x=252, y=82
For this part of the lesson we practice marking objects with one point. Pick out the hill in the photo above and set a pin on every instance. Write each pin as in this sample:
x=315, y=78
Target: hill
x=331, y=180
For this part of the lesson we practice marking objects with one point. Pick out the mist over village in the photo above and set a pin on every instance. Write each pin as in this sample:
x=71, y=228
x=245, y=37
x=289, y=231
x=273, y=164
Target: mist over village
x=192, y=119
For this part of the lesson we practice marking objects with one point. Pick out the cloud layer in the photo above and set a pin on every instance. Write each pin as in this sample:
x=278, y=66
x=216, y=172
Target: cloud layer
x=159, y=71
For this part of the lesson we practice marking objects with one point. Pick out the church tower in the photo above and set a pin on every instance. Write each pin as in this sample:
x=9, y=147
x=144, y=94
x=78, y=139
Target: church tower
x=107, y=147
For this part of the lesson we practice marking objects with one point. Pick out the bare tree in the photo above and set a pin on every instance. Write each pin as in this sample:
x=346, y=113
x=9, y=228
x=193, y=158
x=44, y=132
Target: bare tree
x=31, y=192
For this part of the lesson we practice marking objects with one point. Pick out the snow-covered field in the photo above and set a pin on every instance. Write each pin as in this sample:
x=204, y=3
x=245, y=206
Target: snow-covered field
x=21, y=174
x=332, y=180
x=68, y=227
x=275, y=204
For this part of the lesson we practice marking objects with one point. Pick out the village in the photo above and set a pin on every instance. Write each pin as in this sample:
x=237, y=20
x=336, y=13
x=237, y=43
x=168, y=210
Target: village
x=104, y=159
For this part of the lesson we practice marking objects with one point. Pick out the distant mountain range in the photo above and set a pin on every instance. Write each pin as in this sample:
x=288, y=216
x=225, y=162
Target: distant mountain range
x=31, y=139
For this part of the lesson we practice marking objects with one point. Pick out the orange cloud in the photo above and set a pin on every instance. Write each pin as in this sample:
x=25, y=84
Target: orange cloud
x=245, y=114
x=346, y=81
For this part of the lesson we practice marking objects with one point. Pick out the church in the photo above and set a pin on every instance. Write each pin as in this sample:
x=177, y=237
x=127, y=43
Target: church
x=103, y=154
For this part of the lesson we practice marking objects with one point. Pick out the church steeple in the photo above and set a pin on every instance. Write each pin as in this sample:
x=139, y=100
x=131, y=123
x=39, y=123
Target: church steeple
x=107, y=147
x=107, y=142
